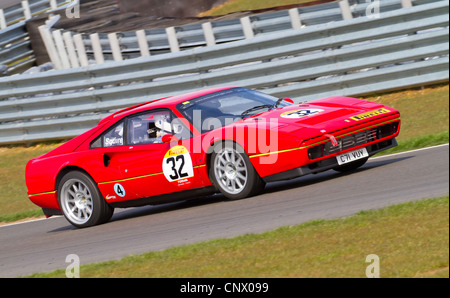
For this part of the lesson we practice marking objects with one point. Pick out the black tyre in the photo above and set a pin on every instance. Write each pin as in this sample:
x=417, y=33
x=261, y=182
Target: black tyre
x=351, y=166
x=81, y=202
x=232, y=172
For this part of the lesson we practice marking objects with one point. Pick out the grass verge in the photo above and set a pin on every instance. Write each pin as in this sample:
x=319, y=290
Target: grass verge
x=242, y=5
x=410, y=239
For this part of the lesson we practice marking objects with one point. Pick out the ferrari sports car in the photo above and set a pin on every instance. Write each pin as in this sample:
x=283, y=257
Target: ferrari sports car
x=228, y=140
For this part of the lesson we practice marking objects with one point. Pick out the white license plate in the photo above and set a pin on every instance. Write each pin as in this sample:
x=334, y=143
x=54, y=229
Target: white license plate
x=352, y=156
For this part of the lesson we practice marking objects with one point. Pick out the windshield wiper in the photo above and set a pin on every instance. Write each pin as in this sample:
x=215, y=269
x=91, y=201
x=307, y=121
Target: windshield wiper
x=269, y=107
x=251, y=110
x=277, y=103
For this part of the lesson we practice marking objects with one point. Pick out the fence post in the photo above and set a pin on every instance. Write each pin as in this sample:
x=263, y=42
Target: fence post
x=57, y=37
x=345, y=10
x=53, y=4
x=50, y=46
x=295, y=18
x=81, y=50
x=115, y=47
x=247, y=27
x=97, y=48
x=26, y=10
x=67, y=36
x=209, y=34
x=2, y=20
x=143, y=44
x=406, y=3
x=173, y=40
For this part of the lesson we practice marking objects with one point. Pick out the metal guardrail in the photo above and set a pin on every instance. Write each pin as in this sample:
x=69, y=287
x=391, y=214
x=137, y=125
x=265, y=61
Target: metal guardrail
x=401, y=48
x=127, y=45
x=27, y=9
x=15, y=47
x=194, y=35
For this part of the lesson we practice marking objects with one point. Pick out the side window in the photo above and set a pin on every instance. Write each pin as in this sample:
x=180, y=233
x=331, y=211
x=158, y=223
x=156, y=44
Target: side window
x=149, y=128
x=114, y=137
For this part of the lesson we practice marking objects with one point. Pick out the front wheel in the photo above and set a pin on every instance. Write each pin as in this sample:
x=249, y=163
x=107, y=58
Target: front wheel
x=81, y=202
x=232, y=172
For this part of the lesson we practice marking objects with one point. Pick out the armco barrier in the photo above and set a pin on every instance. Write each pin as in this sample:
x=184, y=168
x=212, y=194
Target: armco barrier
x=402, y=48
x=187, y=36
x=15, y=47
x=19, y=56
x=27, y=9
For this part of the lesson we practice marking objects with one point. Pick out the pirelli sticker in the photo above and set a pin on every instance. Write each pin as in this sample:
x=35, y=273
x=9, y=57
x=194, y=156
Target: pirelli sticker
x=177, y=166
x=370, y=114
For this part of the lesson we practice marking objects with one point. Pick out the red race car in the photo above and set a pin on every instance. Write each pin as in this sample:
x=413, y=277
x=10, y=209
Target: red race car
x=229, y=140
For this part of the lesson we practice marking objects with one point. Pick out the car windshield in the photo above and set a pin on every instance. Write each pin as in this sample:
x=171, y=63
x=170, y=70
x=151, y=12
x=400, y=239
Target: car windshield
x=221, y=108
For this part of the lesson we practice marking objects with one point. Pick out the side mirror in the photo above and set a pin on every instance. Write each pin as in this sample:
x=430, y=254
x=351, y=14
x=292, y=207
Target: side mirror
x=288, y=100
x=169, y=138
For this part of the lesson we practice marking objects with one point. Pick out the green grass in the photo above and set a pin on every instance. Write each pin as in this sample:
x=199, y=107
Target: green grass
x=242, y=5
x=419, y=142
x=411, y=240
x=425, y=122
x=424, y=111
x=14, y=203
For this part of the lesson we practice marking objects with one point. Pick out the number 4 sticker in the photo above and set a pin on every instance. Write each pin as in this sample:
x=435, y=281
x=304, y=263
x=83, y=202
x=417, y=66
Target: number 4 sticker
x=120, y=191
x=177, y=164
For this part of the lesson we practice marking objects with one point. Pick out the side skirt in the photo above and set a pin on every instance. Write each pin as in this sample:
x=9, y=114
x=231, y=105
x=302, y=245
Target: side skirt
x=167, y=198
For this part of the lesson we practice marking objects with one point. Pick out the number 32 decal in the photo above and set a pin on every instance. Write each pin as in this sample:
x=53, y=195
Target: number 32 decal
x=177, y=164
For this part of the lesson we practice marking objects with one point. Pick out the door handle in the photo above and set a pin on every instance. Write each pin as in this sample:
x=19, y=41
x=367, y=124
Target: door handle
x=106, y=160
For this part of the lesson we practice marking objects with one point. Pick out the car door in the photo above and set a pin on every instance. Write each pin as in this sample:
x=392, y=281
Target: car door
x=147, y=165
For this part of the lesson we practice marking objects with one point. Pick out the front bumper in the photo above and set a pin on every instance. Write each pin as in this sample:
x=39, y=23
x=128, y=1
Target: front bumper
x=327, y=164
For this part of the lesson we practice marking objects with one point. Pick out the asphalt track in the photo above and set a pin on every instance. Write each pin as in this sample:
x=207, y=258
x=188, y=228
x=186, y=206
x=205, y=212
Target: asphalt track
x=43, y=245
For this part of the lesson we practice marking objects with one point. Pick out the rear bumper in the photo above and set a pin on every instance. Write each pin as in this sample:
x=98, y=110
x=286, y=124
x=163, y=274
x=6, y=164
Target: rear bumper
x=326, y=164
x=46, y=200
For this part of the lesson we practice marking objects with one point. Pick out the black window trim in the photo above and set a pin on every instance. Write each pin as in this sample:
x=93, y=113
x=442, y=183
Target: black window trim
x=125, y=121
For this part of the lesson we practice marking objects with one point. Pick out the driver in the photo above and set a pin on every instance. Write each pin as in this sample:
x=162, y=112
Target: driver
x=158, y=127
x=155, y=134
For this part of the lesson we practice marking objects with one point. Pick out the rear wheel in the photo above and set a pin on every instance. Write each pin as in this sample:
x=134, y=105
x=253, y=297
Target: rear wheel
x=81, y=202
x=232, y=172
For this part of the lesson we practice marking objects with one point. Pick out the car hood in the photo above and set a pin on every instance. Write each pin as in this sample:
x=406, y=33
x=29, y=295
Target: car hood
x=324, y=116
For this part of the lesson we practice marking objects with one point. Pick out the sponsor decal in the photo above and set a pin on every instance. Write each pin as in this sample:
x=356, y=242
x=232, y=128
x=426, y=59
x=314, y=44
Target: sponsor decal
x=177, y=166
x=370, y=114
x=120, y=191
x=300, y=113
x=109, y=142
